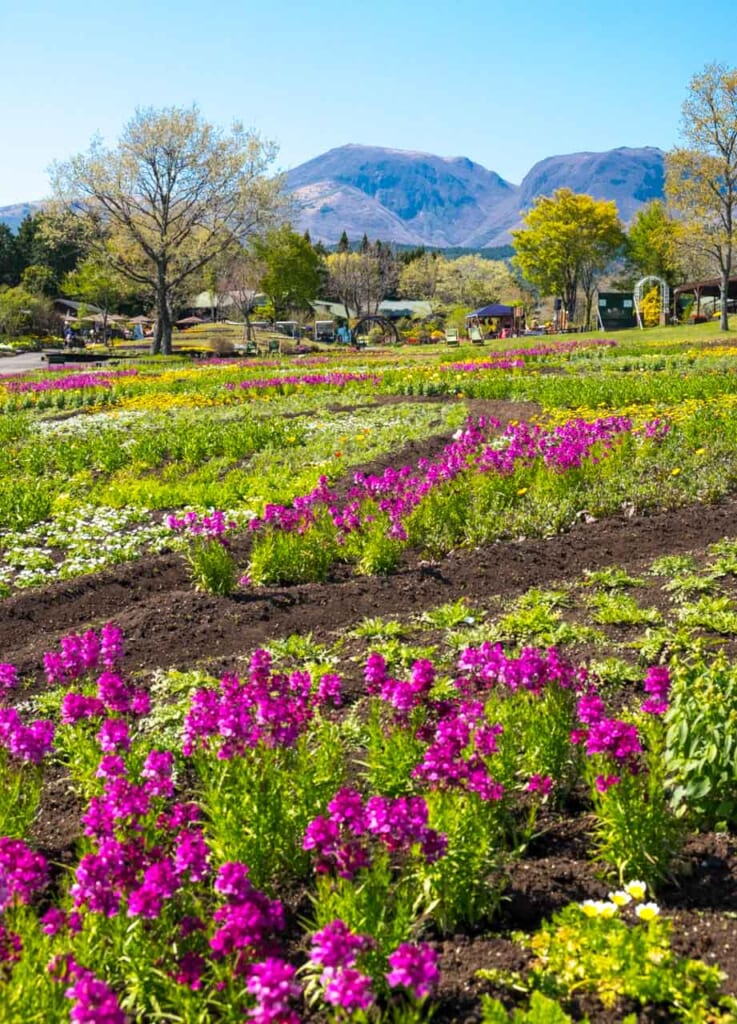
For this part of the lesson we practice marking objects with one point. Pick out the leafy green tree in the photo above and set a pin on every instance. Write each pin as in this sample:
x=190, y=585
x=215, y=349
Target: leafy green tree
x=567, y=241
x=473, y=281
x=97, y=283
x=9, y=257
x=170, y=197
x=343, y=244
x=21, y=310
x=652, y=243
x=38, y=280
x=419, y=278
x=701, y=177
x=56, y=239
x=292, y=275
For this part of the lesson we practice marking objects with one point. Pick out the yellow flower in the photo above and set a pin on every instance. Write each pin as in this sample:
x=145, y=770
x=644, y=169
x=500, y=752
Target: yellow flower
x=522, y=490
x=699, y=451
x=675, y=472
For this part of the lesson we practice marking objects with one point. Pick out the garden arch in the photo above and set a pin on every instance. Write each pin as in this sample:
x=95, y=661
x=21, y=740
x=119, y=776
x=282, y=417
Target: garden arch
x=367, y=322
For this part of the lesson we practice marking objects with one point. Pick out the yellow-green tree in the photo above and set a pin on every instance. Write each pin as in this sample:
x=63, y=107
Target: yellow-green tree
x=652, y=243
x=170, y=197
x=701, y=177
x=567, y=242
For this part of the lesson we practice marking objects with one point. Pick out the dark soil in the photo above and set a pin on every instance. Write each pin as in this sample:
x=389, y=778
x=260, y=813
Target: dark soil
x=166, y=624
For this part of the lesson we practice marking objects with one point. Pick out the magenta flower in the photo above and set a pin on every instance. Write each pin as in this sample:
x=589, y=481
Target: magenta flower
x=539, y=784
x=415, y=967
x=94, y=1001
x=274, y=988
x=336, y=945
x=348, y=988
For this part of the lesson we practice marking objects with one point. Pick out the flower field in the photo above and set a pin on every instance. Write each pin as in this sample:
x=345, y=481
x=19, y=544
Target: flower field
x=374, y=687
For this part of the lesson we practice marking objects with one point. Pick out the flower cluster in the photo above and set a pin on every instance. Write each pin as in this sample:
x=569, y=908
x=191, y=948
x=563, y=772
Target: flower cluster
x=94, y=1002
x=632, y=891
x=334, y=379
x=563, y=448
x=8, y=679
x=212, y=526
x=402, y=694
x=534, y=670
x=336, y=950
x=456, y=756
x=275, y=990
x=350, y=836
x=71, y=382
x=247, y=921
x=616, y=740
x=25, y=742
x=128, y=864
x=83, y=654
x=415, y=968
x=22, y=872
x=268, y=708
x=657, y=684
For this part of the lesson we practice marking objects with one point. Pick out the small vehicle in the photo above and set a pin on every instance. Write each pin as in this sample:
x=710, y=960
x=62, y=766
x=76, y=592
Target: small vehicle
x=325, y=331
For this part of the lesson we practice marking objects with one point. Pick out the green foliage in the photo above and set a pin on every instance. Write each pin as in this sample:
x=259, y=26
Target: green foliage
x=717, y=614
x=20, y=795
x=542, y=1010
x=608, y=953
x=613, y=577
x=701, y=742
x=451, y=615
x=652, y=242
x=291, y=276
x=259, y=803
x=567, y=240
x=278, y=557
x=618, y=609
x=635, y=830
x=212, y=567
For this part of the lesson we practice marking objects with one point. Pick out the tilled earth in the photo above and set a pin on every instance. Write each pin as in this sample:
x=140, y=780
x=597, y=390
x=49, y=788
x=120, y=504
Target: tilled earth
x=168, y=625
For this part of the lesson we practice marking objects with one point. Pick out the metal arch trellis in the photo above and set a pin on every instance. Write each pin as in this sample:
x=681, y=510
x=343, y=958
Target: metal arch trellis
x=664, y=297
x=380, y=321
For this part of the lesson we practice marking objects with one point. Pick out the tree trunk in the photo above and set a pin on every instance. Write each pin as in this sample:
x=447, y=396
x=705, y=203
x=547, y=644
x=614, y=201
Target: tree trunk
x=724, y=295
x=570, y=303
x=162, y=336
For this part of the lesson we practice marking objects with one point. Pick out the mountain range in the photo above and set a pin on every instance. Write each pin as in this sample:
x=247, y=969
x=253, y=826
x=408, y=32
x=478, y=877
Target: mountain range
x=420, y=199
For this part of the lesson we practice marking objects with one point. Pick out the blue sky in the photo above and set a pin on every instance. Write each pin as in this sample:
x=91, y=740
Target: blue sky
x=503, y=83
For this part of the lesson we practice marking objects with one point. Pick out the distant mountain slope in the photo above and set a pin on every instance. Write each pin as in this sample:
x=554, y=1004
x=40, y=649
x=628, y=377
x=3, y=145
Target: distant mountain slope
x=438, y=200
x=13, y=215
x=421, y=199
x=631, y=177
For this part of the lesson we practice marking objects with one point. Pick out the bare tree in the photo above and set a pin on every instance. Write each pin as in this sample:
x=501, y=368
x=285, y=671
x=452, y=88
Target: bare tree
x=171, y=196
x=701, y=179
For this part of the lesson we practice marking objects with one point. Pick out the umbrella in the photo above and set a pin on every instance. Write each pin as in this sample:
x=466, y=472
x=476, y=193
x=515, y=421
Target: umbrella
x=190, y=320
x=140, y=319
x=100, y=318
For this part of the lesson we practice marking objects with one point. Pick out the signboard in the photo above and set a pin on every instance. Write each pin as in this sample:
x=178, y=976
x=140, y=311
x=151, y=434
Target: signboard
x=616, y=310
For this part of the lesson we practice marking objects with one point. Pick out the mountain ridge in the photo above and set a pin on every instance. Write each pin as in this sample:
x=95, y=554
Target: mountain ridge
x=425, y=199
x=416, y=198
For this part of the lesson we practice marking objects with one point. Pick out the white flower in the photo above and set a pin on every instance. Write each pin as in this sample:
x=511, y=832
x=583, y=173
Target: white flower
x=647, y=911
x=620, y=898
x=636, y=889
